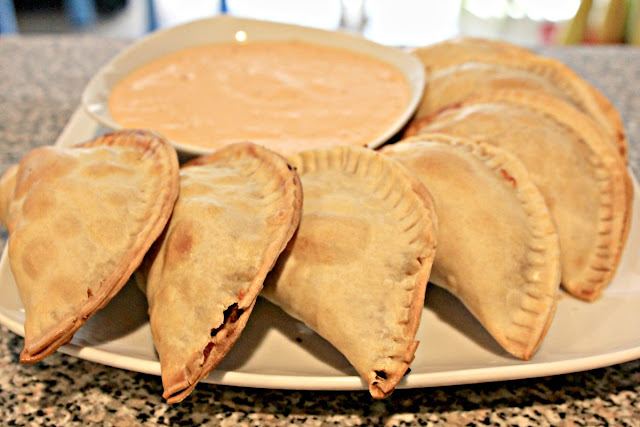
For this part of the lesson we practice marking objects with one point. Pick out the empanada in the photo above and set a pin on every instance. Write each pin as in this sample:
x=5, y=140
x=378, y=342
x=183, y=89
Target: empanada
x=584, y=181
x=357, y=269
x=80, y=221
x=498, y=249
x=461, y=49
x=237, y=209
x=461, y=67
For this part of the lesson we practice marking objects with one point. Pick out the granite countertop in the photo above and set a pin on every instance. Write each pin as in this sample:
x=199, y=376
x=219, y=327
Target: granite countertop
x=41, y=79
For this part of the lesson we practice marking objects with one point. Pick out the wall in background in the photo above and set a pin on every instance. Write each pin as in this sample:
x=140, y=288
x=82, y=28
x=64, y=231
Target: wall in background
x=397, y=22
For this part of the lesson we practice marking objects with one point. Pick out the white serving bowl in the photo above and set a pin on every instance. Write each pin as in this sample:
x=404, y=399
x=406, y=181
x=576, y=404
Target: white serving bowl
x=225, y=29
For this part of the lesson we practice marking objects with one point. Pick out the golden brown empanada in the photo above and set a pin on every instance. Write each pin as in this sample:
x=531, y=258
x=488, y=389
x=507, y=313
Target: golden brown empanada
x=462, y=67
x=498, y=249
x=357, y=269
x=584, y=181
x=237, y=209
x=461, y=49
x=80, y=221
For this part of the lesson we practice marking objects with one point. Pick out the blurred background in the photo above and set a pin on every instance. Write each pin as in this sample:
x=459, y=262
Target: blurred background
x=390, y=22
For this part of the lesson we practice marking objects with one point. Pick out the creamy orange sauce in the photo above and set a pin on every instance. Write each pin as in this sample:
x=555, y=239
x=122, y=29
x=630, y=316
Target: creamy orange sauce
x=286, y=95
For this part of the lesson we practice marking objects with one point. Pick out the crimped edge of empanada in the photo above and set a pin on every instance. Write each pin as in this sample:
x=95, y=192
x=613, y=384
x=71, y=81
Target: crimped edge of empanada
x=466, y=49
x=585, y=96
x=386, y=173
x=542, y=277
x=162, y=204
x=179, y=386
x=608, y=168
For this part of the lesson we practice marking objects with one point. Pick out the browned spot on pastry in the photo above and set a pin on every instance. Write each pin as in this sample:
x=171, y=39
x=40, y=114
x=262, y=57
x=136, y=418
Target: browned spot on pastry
x=587, y=294
x=36, y=257
x=508, y=177
x=38, y=203
x=207, y=350
x=89, y=293
x=252, y=150
x=182, y=242
x=179, y=242
x=331, y=238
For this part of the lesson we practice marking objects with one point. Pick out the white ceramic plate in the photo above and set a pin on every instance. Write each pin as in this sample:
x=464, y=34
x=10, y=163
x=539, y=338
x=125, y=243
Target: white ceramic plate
x=221, y=29
x=274, y=351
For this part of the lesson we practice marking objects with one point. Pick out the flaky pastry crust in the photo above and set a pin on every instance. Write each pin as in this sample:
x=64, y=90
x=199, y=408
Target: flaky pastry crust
x=498, y=249
x=357, y=269
x=238, y=207
x=464, y=66
x=584, y=181
x=80, y=220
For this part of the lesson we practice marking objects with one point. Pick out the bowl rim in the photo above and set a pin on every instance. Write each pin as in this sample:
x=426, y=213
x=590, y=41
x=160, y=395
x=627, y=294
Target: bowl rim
x=223, y=29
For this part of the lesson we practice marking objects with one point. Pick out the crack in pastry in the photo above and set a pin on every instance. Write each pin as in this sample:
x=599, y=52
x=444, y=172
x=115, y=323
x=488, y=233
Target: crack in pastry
x=462, y=67
x=585, y=183
x=498, y=250
x=80, y=220
x=237, y=209
x=357, y=269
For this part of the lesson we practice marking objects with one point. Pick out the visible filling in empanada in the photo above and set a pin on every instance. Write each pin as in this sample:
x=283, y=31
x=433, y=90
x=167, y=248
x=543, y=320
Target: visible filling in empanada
x=498, y=249
x=80, y=220
x=237, y=209
x=584, y=182
x=357, y=269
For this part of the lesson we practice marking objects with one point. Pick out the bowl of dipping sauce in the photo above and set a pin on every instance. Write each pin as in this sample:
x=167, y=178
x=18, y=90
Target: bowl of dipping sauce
x=216, y=81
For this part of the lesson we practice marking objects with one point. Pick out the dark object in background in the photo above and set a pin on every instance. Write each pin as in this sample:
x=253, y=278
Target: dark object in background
x=110, y=6
x=30, y=5
x=103, y=7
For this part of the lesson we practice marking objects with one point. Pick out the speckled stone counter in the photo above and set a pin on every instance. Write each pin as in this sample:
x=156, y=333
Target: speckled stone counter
x=41, y=79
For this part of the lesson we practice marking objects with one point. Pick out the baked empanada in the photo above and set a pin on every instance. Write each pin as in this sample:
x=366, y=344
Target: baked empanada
x=498, y=249
x=80, y=221
x=583, y=180
x=462, y=67
x=461, y=49
x=237, y=209
x=357, y=269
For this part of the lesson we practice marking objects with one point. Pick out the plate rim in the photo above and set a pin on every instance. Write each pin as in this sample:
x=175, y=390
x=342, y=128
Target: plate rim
x=476, y=375
x=81, y=126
